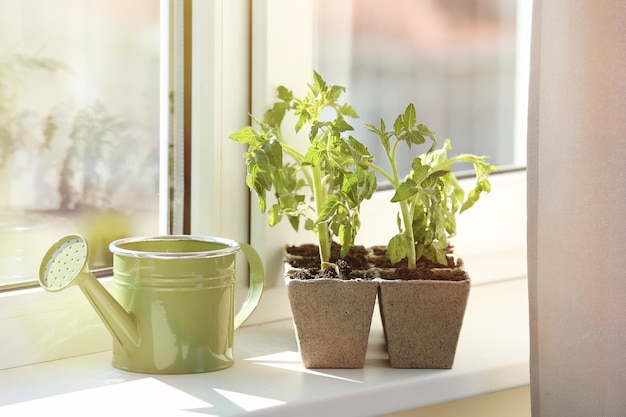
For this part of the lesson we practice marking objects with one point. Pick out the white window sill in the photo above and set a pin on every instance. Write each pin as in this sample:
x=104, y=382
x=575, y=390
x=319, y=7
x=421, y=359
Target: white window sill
x=267, y=378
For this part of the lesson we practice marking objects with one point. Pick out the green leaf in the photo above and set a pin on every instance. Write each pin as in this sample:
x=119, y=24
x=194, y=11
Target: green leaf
x=291, y=203
x=419, y=171
x=328, y=209
x=302, y=120
x=406, y=190
x=314, y=131
x=274, y=117
x=398, y=125
x=425, y=131
x=347, y=111
x=320, y=84
x=396, y=248
x=436, y=254
x=358, y=151
x=315, y=154
x=410, y=117
x=350, y=188
x=347, y=234
x=342, y=126
x=438, y=174
x=383, y=136
x=472, y=198
x=274, y=152
x=367, y=184
x=245, y=135
x=335, y=92
x=258, y=178
x=284, y=94
x=413, y=137
x=274, y=214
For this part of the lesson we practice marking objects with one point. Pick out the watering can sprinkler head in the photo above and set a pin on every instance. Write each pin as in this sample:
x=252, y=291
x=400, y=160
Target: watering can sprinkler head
x=64, y=265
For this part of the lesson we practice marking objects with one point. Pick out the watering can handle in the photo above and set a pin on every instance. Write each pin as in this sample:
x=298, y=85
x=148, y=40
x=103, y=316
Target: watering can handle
x=257, y=280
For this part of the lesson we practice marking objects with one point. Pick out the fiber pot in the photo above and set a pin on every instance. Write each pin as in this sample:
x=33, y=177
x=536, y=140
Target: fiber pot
x=332, y=319
x=422, y=319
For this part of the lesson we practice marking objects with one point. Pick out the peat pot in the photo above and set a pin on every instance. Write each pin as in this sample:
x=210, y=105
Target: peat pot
x=422, y=319
x=332, y=319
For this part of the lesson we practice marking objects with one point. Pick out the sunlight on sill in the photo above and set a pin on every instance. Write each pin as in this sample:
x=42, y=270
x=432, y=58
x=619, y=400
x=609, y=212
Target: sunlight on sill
x=291, y=361
x=146, y=396
x=248, y=402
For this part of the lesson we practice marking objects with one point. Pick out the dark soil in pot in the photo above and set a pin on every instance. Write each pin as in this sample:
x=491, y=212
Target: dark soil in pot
x=378, y=259
x=344, y=268
x=307, y=256
x=422, y=273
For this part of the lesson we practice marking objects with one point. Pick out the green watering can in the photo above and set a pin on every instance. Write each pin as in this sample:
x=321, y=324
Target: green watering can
x=172, y=308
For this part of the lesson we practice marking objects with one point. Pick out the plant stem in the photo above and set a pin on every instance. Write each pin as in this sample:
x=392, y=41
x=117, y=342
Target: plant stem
x=294, y=153
x=407, y=215
x=405, y=209
x=380, y=171
x=408, y=229
x=314, y=179
x=323, y=235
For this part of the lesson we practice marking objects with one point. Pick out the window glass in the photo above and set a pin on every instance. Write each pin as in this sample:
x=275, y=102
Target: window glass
x=79, y=126
x=454, y=59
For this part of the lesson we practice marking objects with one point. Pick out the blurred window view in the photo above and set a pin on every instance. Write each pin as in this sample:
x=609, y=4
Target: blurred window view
x=456, y=60
x=79, y=103
x=79, y=127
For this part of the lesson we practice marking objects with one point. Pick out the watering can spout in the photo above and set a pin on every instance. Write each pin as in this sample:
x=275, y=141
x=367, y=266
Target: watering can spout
x=64, y=265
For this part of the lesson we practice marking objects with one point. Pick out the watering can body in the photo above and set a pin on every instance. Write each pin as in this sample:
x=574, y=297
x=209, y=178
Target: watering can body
x=172, y=305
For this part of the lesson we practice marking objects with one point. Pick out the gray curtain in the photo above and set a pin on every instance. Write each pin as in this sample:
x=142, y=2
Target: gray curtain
x=577, y=208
